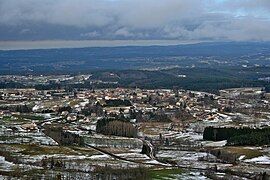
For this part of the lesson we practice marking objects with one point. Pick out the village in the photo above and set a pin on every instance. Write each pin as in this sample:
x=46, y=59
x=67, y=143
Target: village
x=129, y=133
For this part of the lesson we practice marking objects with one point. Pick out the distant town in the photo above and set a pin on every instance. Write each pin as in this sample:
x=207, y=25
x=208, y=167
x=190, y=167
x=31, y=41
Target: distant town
x=131, y=133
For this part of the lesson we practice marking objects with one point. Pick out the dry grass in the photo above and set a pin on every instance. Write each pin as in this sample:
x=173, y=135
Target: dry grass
x=249, y=153
x=85, y=151
x=43, y=150
x=154, y=128
x=74, y=102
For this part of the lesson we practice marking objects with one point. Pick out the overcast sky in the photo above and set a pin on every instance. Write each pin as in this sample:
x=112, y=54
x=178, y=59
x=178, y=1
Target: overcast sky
x=181, y=20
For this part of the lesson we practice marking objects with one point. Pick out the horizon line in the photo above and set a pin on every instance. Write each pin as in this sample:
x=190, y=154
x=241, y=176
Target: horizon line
x=69, y=44
x=65, y=44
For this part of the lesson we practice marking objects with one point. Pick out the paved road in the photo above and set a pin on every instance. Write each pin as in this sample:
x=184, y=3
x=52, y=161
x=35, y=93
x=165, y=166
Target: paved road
x=124, y=159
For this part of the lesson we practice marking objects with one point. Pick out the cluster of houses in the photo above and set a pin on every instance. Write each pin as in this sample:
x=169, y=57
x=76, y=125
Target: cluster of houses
x=135, y=105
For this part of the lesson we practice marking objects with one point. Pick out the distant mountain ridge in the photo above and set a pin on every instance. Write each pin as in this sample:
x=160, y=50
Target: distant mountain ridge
x=202, y=47
x=127, y=57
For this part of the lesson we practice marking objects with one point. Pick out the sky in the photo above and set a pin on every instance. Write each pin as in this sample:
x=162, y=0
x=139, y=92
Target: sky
x=32, y=21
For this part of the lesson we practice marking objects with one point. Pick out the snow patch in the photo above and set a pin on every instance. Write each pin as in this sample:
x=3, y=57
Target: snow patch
x=217, y=144
x=259, y=160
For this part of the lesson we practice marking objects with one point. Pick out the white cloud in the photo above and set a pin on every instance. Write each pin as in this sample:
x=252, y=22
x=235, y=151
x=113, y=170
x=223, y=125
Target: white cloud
x=124, y=32
x=137, y=19
x=93, y=34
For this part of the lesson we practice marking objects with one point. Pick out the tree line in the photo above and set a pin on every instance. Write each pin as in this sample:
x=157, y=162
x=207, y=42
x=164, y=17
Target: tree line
x=115, y=127
x=238, y=136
